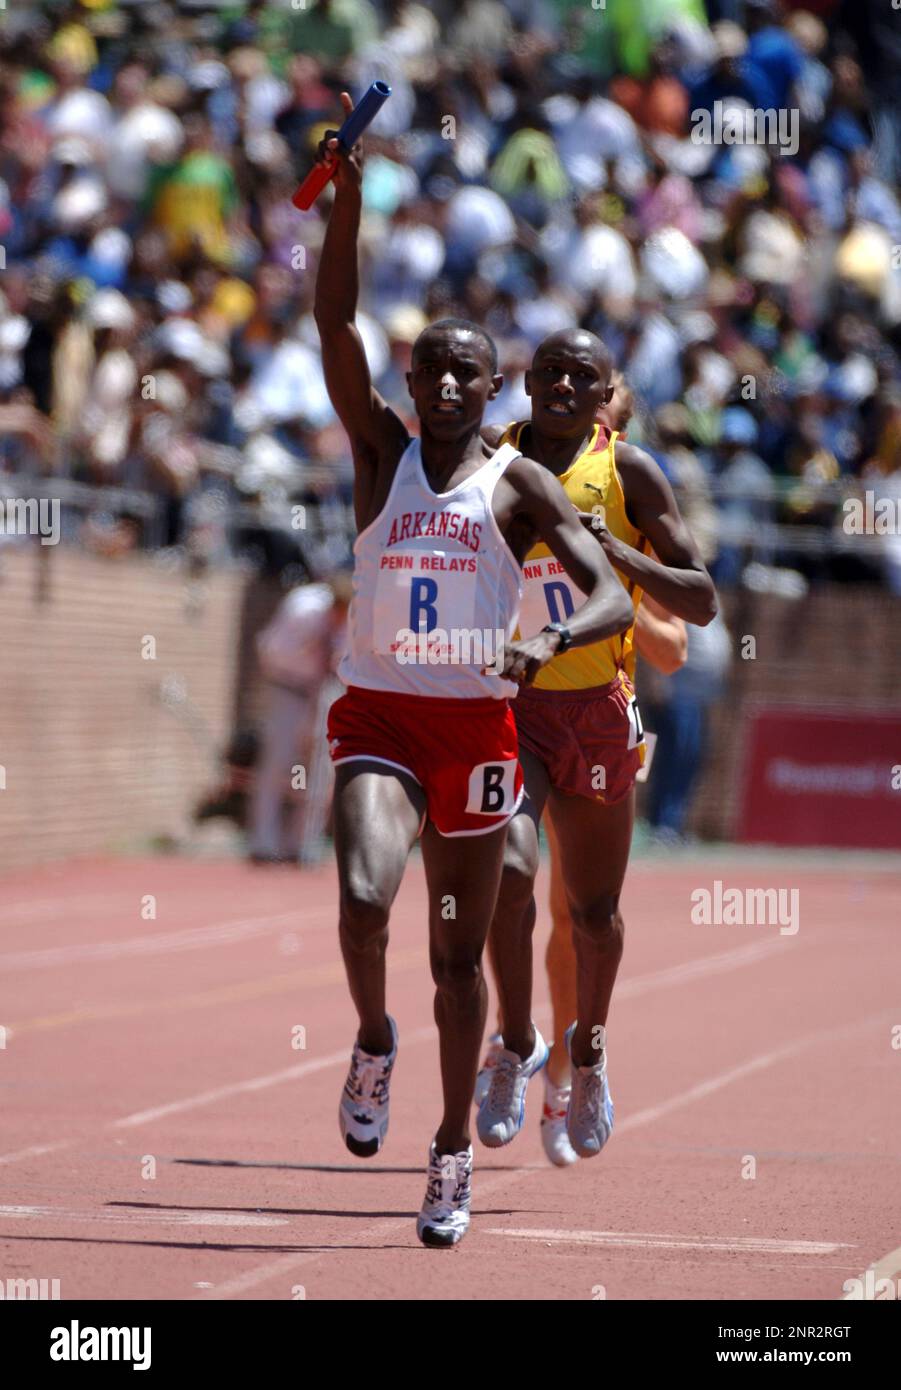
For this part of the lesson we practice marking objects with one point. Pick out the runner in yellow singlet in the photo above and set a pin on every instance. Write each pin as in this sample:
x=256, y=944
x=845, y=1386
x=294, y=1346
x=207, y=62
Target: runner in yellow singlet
x=661, y=641
x=580, y=735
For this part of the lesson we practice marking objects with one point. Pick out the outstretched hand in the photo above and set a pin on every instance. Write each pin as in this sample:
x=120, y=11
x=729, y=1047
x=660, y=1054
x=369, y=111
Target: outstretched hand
x=523, y=660
x=349, y=171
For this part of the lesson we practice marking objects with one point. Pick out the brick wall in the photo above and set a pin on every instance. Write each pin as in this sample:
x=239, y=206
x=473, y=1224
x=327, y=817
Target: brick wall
x=91, y=754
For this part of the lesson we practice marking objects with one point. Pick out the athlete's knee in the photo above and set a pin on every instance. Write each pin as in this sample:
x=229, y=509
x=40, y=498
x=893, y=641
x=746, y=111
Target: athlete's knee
x=364, y=909
x=518, y=873
x=600, y=920
x=457, y=973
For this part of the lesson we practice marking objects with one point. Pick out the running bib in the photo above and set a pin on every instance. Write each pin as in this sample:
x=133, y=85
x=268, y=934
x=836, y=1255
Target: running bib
x=650, y=741
x=492, y=789
x=549, y=595
x=636, y=728
x=421, y=591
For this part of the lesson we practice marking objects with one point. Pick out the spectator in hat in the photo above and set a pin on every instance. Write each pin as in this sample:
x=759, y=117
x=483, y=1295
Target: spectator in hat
x=105, y=425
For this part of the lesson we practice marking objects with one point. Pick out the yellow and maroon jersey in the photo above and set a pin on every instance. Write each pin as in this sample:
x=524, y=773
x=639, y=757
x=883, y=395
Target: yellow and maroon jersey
x=550, y=596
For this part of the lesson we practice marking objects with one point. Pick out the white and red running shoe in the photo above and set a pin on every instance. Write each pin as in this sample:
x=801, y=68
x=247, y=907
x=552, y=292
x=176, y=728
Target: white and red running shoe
x=553, y=1124
x=483, y=1080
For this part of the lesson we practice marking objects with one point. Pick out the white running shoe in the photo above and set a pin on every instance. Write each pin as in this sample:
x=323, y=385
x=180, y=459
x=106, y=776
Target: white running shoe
x=553, y=1124
x=483, y=1080
x=502, y=1111
x=363, y=1112
x=444, y=1218
x=589, y=1119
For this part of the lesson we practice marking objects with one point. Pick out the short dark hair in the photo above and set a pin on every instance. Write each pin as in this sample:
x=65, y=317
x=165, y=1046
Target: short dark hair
x=464, y=326
x=599, y=350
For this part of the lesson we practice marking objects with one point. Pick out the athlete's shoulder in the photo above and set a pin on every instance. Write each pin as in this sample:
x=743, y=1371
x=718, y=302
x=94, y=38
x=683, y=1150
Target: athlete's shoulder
x=640, y=474
x=493, y=434
x=530, y=478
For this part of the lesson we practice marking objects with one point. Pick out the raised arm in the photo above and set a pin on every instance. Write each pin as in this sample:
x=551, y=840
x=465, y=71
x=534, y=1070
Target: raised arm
x=370, y=423
x=607, y=609
x=678, y=579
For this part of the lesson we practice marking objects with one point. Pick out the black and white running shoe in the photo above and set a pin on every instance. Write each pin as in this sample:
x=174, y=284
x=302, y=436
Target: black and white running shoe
x=363, y=1112
x=444, y=1218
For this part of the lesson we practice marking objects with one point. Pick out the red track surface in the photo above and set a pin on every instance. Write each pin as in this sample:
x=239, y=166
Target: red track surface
x=171, y=1039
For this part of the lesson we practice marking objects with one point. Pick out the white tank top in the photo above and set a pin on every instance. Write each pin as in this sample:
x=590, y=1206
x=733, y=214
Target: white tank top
x=436, y=588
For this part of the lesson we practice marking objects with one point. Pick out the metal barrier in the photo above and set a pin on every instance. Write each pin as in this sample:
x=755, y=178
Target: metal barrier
x=329, y=526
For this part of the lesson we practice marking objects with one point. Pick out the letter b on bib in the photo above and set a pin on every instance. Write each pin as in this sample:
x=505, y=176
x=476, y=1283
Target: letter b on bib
x=492, y=789
x=423, y=613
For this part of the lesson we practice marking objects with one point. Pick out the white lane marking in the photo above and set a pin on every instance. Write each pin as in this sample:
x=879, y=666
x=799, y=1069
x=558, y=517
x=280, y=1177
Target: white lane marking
x=284, y=1266
x=889, y=1267
x=47, y=908
x=708, y=1087
x=190, y=939
x=646, y=1240
x=197, y=938
x=143, y=1216
x=704, y=966
x=763, y=1060
x=423, y=1034
x=288, y=1263
x=254, y=1083
x=641, y=984
x=236, y=1088
x=35, y=1150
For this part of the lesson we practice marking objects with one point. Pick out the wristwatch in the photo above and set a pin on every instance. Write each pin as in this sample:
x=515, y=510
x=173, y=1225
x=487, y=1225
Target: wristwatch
x=566, y=637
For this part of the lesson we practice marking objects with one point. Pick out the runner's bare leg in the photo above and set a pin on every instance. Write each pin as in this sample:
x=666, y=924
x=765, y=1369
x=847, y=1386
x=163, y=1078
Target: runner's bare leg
x=515, y=913
x=463, y=874
x=560, y=961
x=378, y=811
x=594, y=845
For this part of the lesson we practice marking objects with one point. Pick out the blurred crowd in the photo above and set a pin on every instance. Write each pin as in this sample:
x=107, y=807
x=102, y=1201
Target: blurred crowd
x=538, y=165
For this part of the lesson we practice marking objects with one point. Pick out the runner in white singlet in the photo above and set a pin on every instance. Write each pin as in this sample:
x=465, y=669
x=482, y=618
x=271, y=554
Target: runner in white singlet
x=427, y=746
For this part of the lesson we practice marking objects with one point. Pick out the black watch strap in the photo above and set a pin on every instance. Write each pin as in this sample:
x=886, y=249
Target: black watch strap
x=566, y=637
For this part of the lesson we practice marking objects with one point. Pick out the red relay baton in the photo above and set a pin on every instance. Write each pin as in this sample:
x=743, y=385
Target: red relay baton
x=363, y=114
